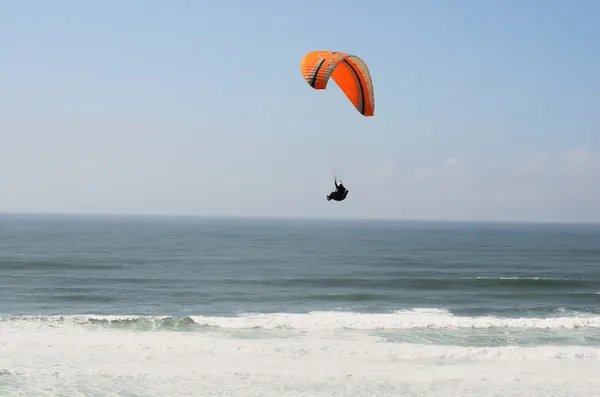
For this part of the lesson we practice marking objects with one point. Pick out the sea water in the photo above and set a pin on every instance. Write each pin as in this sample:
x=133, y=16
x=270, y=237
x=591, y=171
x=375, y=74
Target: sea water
x=159, y=306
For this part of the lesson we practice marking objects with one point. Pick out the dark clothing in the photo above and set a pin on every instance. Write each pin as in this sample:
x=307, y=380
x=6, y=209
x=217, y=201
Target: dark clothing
x=339, y=194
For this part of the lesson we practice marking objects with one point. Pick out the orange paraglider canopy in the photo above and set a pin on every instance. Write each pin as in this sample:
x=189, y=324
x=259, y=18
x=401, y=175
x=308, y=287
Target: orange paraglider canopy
x=348, y=71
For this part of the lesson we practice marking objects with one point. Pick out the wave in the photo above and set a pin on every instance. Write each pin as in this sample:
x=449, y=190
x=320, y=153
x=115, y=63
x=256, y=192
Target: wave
x=385, y=282
x=91, y=355
x=58, y=333
x=333, y=320
x=403, y=319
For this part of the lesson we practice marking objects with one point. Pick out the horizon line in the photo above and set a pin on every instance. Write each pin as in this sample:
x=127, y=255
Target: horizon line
x=288, y=218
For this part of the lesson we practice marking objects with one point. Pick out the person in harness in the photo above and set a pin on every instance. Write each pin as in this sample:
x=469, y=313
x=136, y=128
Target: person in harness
x=340, y=192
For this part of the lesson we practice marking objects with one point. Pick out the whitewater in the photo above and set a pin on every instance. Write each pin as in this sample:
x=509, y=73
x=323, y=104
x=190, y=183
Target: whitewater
x=313, y=354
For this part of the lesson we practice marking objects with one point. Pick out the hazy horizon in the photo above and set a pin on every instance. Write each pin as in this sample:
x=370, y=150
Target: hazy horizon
x=483, y=111
x=156, y=216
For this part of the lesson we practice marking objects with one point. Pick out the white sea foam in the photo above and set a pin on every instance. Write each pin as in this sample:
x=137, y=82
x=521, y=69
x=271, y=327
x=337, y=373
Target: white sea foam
x=321, y=321
x=48, y=356
x=407, y=319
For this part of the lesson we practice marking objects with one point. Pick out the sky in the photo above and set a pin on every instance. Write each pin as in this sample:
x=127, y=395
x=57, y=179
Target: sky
x=483, y=110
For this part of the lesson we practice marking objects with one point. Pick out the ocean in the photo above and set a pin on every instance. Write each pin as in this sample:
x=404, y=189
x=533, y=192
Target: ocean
x=174, y=306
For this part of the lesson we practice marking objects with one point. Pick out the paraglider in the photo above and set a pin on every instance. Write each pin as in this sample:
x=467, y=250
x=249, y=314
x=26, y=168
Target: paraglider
x=340, y=192
x=352, y=75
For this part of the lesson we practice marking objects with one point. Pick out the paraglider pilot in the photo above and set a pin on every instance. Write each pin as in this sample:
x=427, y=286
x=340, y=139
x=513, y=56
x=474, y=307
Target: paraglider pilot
x=340, y=192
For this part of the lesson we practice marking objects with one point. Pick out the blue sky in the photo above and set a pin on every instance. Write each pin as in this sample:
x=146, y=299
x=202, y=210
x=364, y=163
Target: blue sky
x=483, y=110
